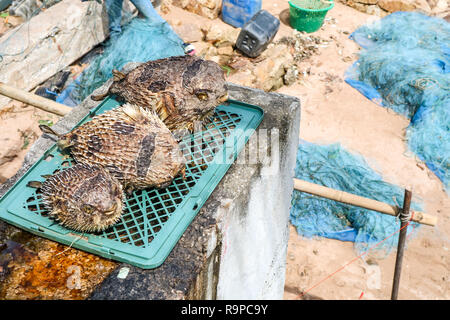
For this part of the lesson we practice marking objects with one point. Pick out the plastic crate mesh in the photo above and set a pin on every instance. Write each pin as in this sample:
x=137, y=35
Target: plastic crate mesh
x=146, y=211
x=153, y=220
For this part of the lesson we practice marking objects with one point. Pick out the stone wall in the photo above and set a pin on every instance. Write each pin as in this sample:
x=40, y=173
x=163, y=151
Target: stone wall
x=207, y=8
x=439, y=8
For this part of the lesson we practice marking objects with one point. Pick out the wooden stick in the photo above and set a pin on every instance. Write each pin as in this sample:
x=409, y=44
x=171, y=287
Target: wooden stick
x=34, y=100
x=358, y=201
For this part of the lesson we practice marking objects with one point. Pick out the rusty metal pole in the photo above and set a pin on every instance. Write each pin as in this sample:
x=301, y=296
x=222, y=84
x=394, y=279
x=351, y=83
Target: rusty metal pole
x=404, y=221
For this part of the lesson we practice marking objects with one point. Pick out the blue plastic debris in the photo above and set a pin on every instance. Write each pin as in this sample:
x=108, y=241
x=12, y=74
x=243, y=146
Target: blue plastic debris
x=239, y=12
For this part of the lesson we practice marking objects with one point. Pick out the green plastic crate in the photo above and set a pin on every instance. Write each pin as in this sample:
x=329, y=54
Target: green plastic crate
x=154, y=219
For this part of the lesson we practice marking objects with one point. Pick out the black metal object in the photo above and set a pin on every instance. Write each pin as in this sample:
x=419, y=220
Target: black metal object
x=404, y=221
x=4, y=4
x=257, y=33
x=53, y=86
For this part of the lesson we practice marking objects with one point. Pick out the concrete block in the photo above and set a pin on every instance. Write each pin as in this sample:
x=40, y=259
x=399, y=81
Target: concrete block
x=50, y=41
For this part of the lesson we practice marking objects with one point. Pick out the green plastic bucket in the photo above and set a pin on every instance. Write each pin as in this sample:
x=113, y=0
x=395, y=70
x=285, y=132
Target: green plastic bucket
x=308, y=15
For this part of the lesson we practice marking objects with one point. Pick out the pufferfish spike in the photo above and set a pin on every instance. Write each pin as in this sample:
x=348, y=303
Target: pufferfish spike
x=34, y=184
x=46, y=129
x=117, y=75
x=62, y=143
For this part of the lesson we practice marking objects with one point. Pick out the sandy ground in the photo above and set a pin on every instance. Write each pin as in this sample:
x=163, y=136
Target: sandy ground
x=332, y=111
x=19, y=128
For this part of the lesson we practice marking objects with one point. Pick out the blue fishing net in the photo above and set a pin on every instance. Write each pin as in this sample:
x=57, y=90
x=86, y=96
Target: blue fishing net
x=429, y=133
x=140, y=41
x=334, y=167
x=405, y=66
x=408, y=29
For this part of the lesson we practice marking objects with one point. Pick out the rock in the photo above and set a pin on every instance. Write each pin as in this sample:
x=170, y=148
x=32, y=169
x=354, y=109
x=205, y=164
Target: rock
x=366, y=1
x=227, y=50
x=291, y=75
x=165, y=7
x=422, y=5
x=239, y=62
x=269, y=72
x=51, y=41
x=221, y=34
x=24, y=9
x=356, y=5
x=244, y=78
x=375, y=11
x=210, y=52
x=216, y=59
x=372, y=9
x=404, y=5
x=440, y=7
x=383, y=7
x=433, y=3
x=444, y=15
x=3, y=27
x=188, y=32
x=3, y=178
x=206, y=8
x=201, y=48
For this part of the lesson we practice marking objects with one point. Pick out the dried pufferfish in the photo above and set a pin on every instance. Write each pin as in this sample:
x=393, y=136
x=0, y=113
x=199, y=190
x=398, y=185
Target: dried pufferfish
x=132, y=143
x=181, y=89
x=83, y=198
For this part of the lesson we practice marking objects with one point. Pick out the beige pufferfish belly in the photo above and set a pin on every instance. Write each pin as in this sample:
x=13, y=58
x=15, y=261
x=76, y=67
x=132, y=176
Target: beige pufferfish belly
x=132, y=143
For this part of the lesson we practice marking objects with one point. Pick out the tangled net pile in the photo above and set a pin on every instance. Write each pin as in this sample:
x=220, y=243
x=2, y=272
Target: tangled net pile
x=405, y=66
x=334, y=167
x=140, y=41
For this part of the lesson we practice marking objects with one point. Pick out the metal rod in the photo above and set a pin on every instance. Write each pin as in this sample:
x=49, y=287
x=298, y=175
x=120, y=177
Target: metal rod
x=404, y=221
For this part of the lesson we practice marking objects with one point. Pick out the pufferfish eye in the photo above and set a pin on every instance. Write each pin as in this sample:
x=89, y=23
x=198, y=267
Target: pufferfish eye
x=202, y=95
x=87, y=208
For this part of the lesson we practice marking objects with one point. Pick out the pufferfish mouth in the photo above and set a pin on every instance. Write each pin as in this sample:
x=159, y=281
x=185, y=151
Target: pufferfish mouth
x=223, y=98
x=111, y=210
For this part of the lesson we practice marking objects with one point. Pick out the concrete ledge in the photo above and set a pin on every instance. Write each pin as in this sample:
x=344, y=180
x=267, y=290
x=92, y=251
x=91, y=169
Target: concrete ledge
x=236, y=246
